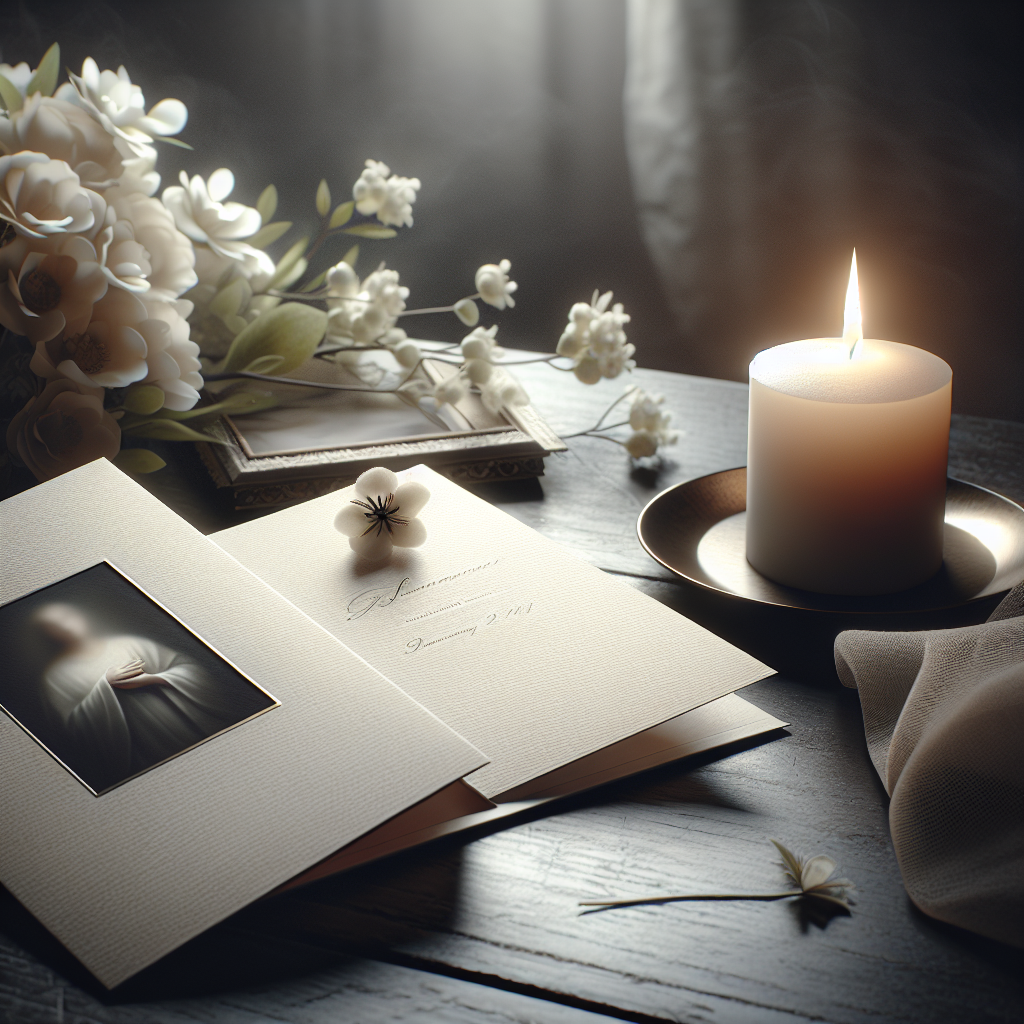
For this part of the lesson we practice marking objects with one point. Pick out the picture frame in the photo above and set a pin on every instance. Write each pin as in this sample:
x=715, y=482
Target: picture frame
x=320, y=441
x=106, y=602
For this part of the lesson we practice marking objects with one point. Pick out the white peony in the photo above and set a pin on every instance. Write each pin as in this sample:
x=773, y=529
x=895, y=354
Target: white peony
x=139, y=175
x=170, y=255
x=49, y=286
x=109, y=352
x=595, y=340
x=119, y=106
x=40, y=196
x=199, y=212
x=382, y=515
x=64, y=131
x=173, y=358
x=390, y=197
x=365, y=313
x=494, y=286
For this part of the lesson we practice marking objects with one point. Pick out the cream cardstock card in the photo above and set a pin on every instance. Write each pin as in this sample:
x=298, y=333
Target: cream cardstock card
x=530, y=653
x=123, y=878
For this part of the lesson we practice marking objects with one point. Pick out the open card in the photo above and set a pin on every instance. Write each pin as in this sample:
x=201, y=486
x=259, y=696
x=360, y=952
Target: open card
x=565, y=676
x=176, y=739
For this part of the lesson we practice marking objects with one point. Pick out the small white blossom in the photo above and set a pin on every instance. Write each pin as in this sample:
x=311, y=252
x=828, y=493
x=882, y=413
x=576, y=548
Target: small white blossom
x=650, y=424
x=390, y=197
x=407, y=353
x=381, y=515
x=501, y=392
x=450, y=391
x=366, y=313
x=595, y=340
x=494, y=286
x=468, y=312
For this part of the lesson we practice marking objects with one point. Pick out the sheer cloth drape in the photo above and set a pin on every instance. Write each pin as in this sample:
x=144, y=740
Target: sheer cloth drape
x=944, y=722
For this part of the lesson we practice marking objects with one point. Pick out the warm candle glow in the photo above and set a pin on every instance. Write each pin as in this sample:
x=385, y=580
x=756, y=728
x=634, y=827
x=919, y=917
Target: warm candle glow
x=853, y=333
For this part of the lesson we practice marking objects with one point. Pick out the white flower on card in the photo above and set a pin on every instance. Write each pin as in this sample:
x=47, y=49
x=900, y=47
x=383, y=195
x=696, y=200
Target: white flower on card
x=389, y=196
x=382, y=515
x=494, y=286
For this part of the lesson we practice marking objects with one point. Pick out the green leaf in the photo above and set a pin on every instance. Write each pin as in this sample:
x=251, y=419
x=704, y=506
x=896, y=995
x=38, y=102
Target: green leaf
x=266, y=205
x=143, y=399
x=342, y=214
x=288, y=260
x=293, y=275
x=315, y=283
x=230, y=299
x=264, y=364
x=172, y=142
x=351, y=256
x=138, y=460
x=323, y=198
x=291, y=330
x=269, y=233
x=371, y=231
x=9, y=95
x=170, y=430
x=45, y=78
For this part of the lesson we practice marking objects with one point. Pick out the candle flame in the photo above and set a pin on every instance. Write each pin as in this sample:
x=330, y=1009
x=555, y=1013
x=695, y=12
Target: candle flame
x=853, y=332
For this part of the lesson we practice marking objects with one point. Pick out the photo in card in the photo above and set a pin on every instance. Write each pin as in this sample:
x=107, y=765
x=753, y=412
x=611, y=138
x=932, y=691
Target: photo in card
x=110, y=683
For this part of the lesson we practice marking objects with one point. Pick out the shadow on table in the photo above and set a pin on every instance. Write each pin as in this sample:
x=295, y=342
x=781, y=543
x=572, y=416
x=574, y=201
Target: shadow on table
x=360, y=913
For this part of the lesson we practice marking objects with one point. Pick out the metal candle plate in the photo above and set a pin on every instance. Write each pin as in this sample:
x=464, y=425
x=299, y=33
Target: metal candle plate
x=698, y=531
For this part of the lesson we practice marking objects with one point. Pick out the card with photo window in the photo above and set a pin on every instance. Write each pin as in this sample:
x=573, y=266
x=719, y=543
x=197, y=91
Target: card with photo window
x=176, y=739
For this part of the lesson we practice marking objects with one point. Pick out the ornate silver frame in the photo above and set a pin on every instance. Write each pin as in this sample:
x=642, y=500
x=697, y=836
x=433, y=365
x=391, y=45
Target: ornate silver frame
x=512, y=451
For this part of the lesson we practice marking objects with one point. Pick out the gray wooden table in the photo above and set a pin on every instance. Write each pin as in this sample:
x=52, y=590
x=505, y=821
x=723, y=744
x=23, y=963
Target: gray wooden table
x=485, y=927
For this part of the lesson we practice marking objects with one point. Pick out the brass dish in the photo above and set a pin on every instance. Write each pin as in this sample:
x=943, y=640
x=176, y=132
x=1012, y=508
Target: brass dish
x=697, y=530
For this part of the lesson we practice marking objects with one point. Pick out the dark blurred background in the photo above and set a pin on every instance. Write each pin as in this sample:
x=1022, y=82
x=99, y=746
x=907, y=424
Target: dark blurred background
x=711, y=161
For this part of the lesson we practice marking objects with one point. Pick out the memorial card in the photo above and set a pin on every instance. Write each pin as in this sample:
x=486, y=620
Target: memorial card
x=176, y=739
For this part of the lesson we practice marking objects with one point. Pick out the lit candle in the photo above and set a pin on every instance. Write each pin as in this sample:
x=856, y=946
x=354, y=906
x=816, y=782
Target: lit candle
x=846, y=461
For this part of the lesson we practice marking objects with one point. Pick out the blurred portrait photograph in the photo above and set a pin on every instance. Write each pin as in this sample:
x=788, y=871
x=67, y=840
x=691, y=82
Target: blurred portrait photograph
x=110, y=683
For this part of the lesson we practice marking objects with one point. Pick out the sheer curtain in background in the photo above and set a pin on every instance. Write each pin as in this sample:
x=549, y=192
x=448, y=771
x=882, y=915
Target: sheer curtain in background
x=767, y=138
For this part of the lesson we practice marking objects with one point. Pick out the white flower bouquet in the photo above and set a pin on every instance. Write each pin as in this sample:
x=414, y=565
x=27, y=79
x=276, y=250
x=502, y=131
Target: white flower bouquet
x=120, y=304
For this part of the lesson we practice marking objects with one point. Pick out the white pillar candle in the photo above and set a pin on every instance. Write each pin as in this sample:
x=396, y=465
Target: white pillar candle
x=846, y=462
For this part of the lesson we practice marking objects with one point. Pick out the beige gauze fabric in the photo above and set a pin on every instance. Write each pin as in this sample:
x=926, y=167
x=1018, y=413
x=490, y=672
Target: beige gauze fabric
x=944, y=721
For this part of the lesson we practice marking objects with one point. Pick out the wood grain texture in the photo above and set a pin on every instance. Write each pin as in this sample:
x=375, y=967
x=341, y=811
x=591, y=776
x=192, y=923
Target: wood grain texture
x=499, y=907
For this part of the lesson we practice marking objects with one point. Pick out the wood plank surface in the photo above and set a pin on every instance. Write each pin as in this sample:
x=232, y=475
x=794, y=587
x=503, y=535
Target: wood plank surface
x=485, y=926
